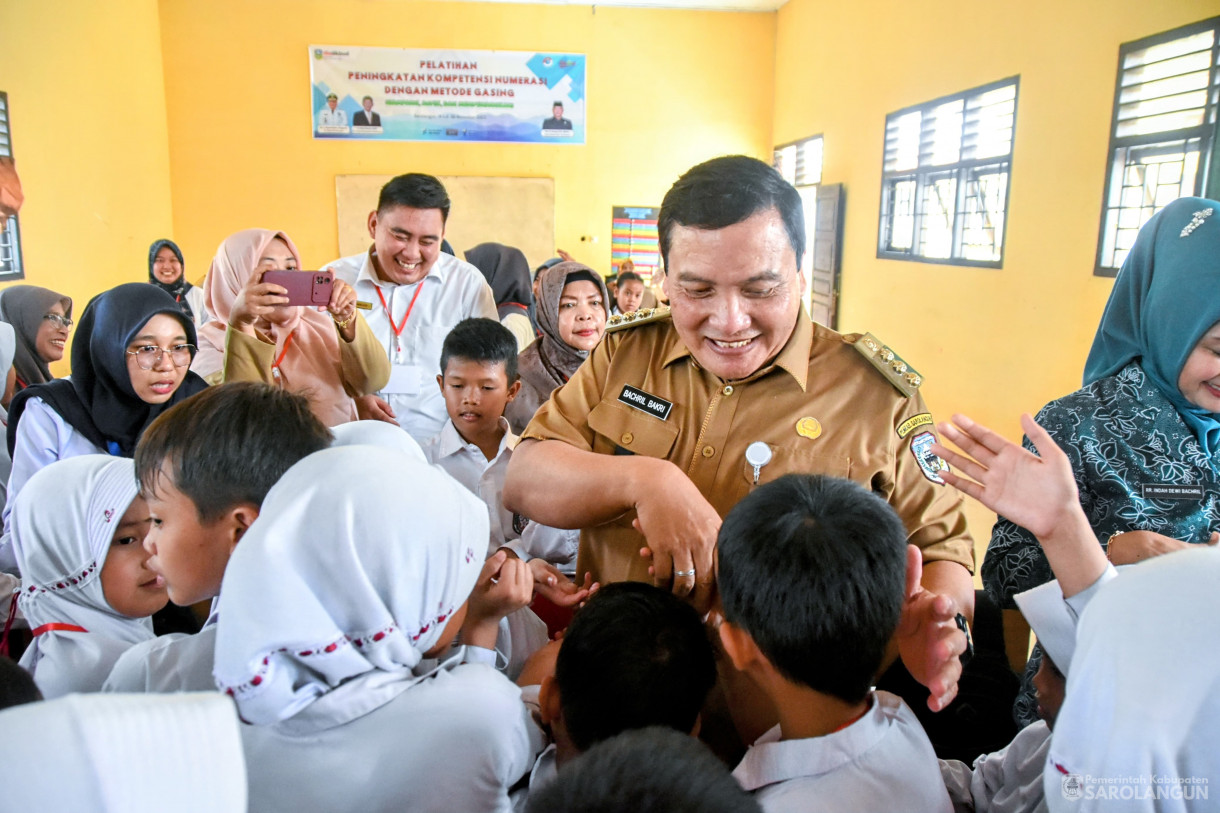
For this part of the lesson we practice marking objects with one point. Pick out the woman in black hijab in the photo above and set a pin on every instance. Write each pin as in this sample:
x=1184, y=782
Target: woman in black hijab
x=167, y=270
x=508, y=273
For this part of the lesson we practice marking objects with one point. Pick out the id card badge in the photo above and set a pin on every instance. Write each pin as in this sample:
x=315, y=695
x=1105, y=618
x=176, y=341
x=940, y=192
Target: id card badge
x=404, y=380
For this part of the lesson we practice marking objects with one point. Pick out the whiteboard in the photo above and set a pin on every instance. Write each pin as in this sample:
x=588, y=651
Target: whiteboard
x=518, y=212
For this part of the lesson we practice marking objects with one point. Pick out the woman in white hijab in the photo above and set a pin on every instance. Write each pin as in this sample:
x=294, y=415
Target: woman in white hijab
x=358, y=571
x=78, y=533
x=123, y=754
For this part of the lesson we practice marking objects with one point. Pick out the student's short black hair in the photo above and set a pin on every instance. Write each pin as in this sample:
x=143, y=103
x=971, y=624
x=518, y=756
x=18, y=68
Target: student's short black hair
x=652, y=770
x=814, y=569
x=228, y=445
x=629, y=276
x=728, y=190
x=634, y=656
x=17, y=686
x=414, y=191
x=484, y=340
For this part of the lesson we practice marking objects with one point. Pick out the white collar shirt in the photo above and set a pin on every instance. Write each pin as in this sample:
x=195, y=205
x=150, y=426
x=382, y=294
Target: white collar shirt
x=452, y=291
x=170, y=663
x=883, y=761
x=336, y=117
x=1007, y=781
x=467, y=464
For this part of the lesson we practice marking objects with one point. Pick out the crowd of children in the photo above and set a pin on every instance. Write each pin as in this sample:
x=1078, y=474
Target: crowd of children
x=380, y=632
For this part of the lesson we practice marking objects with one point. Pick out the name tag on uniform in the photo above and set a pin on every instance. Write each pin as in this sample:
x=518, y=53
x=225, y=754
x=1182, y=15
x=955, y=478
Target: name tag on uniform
x=1169, y=491
x=654, y=406
x=404, y=380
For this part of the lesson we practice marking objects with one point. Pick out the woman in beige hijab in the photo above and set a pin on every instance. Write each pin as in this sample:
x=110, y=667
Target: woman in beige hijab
x=328, y=357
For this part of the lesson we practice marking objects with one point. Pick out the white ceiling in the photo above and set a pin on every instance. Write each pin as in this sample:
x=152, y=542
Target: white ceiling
x=711, y=5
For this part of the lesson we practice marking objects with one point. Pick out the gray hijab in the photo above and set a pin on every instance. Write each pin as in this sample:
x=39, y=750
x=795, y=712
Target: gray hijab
x=557, y=355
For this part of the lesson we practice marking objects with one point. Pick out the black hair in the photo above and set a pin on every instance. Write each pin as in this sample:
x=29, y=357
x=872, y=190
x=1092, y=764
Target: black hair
x=414, y=191
x=557, y=104
x=17, y=686
x=652, y=770
x=814, y=569
x=629, y=276
x=228, y=445
x=728, y=190
x=366, y=99
x=634, y=656
x=484, y=340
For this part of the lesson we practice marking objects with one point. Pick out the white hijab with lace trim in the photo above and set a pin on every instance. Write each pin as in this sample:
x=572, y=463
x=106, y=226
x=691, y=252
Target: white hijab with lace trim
x=62, y=524
x=358, y=559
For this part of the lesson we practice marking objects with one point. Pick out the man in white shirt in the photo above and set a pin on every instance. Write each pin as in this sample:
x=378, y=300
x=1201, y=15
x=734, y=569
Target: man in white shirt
x=416, y=296
x=331, y=115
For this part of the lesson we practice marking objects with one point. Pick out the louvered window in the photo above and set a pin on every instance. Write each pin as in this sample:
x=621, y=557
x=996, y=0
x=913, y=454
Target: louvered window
x=800, y=162
x=1163, y=133
x=10, y=230
x=944, y=189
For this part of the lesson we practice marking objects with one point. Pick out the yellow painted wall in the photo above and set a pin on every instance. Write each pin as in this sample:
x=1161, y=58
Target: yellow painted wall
x=666, y=90
x=990, y=342
x=87, y=102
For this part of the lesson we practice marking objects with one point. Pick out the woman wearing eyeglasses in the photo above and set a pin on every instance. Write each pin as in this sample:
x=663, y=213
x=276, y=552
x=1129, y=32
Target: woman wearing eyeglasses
x=41, y=320
x=130, y=363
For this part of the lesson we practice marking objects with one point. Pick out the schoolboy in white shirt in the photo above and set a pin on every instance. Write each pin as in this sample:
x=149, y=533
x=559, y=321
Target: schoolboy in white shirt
x=478, y=379
x=204, y=467
x=634, y=656
x=813, y=572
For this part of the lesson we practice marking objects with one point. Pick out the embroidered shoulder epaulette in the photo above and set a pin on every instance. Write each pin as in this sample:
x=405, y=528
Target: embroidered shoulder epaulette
x=904, y=378
x=640, y=317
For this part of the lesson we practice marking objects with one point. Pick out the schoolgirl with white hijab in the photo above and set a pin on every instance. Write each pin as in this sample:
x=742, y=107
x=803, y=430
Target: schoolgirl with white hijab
x=356, y=574
x=85, y=591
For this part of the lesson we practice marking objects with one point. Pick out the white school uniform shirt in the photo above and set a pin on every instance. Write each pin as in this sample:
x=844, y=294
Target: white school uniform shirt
x=92, y=753
x=452, y=291
x=467, y=464
x=1139, y=729
x=1007, y=781
x=883, y=761
x=170, y=663
x=43, y=437
x=402, y=755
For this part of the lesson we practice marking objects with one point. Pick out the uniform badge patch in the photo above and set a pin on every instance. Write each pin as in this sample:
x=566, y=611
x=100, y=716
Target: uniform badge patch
x=912, y=423
x=809, y=428
x=929, y=464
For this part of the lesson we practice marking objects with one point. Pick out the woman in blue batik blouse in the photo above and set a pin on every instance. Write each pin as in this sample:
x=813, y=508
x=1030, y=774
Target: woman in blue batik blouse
x=1143, y=434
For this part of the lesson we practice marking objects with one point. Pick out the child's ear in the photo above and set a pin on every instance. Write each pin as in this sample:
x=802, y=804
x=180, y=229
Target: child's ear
x=549, y=707
x=239, y=521
x=739, y=646
x=513, y=389
x=440, y=382
x=914, y=569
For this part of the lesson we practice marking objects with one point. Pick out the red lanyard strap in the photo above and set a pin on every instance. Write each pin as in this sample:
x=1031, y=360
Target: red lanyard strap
x=399, y=328
x=57, y=627
x=275, y=366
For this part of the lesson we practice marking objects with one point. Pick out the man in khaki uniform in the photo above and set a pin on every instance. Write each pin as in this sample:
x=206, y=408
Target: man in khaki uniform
x=658, y=433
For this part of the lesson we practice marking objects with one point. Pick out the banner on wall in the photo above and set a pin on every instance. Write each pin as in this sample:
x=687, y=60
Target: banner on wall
x=633, y=236
x=411, y=94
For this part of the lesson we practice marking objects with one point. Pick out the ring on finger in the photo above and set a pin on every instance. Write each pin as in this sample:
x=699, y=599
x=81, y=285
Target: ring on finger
x=681, y=573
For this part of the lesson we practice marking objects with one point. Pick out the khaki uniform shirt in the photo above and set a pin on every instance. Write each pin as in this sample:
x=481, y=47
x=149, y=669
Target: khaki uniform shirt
x=859, y=432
